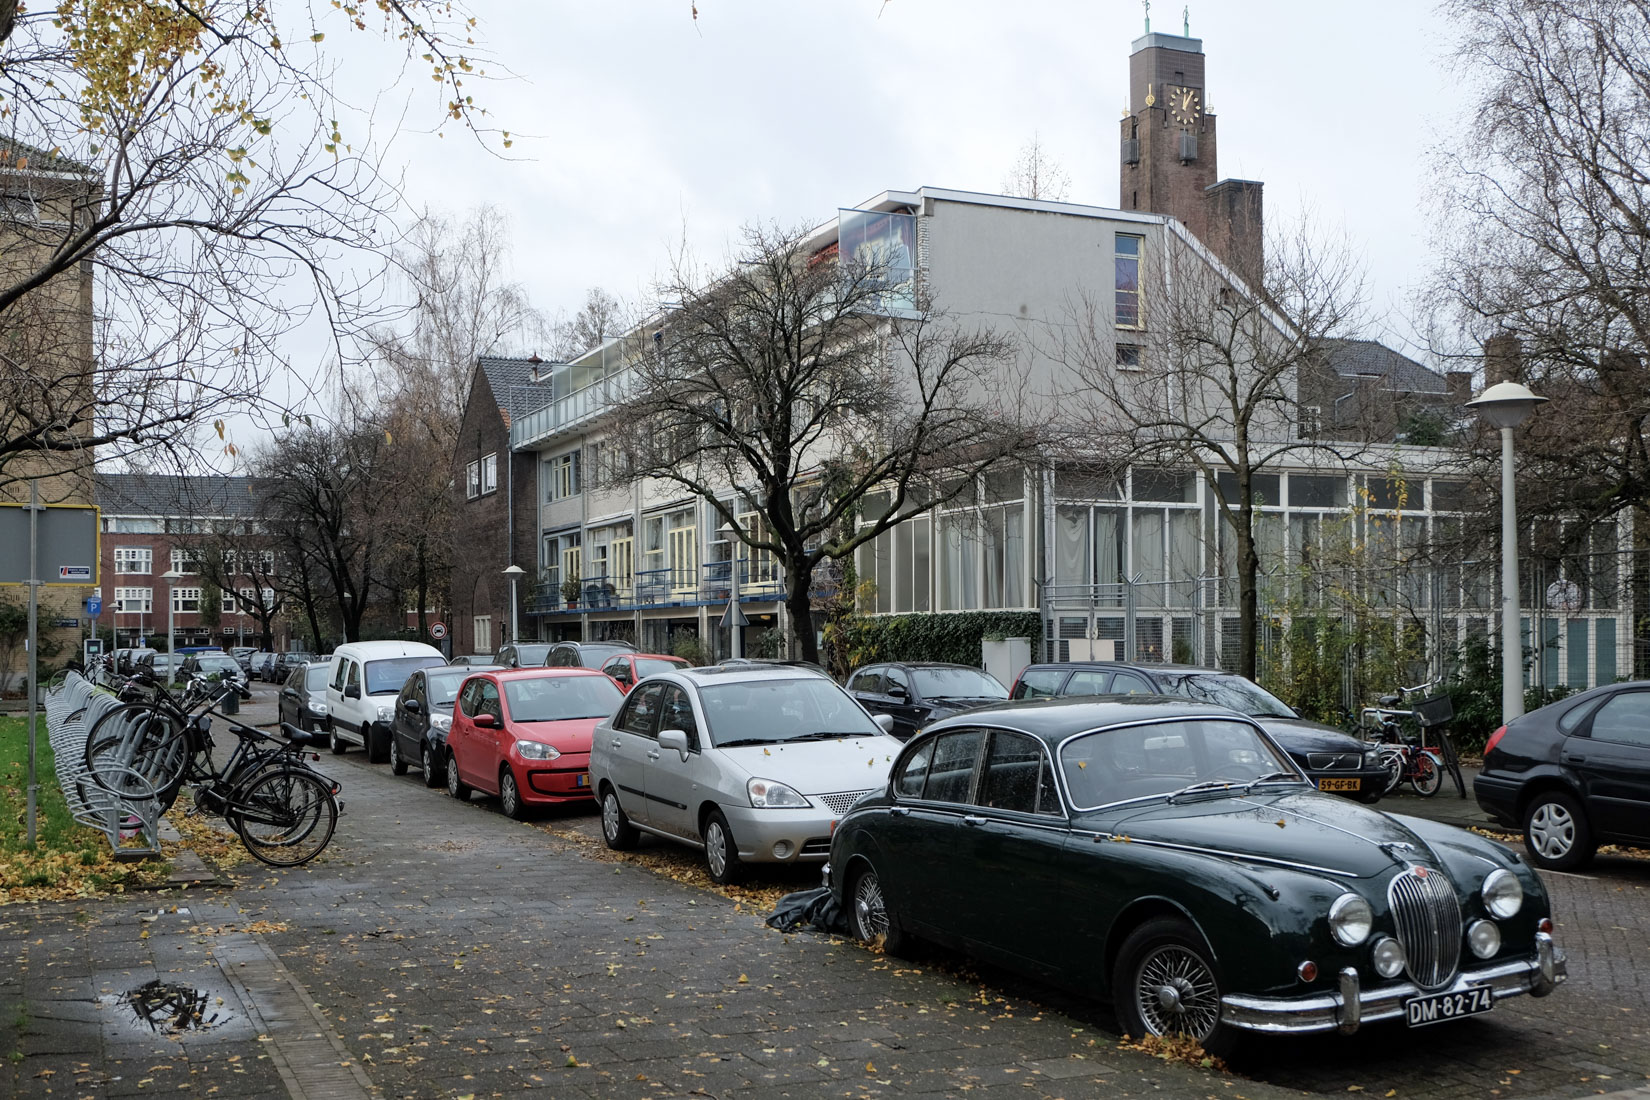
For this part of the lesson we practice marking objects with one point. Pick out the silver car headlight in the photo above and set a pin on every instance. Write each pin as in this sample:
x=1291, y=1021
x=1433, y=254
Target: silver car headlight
x=1350, y=920
x=1484, y=938
x=1503, y=896
x=766, y=794
x=1372, y=759
x=1388, y=957
x=386, y=713
x=318, y=708
x=536, y=750
x=442, y=722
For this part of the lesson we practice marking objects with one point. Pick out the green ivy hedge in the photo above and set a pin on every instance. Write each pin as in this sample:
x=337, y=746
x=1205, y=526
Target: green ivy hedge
x=936, y=636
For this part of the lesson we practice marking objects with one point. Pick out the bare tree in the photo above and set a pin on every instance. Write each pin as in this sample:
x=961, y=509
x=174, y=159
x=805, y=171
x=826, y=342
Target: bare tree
x=1200, y=372
x=178, y=172
x=238, y=558
x=1036, y=175
x=600, y=318
x=788, y=383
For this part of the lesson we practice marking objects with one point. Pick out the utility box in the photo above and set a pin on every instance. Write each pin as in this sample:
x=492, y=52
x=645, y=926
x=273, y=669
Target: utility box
x=1093, y=649
x=1006, y=658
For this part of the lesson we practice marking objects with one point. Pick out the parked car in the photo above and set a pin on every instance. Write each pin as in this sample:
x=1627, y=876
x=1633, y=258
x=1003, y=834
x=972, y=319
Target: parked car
x=524, y=735
x=219, y=665
x=627, y=668
x=362, y=686
x=286, y=662
x=474, y=659
x=423, y=715
x=584, y=654
x=303, y=698
x=263, y=666
x=1333, y=759
x=254, y=660
x=750, y=764
x=521, y=655
x=164, y=666
x=917, y=693
x=772, y=662
x=1170, y=854
x=1573, y=775
x=127, y=660
x=243, y=656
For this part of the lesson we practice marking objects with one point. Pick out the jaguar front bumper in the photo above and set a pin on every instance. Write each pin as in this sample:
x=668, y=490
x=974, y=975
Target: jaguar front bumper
x=1354, y=1006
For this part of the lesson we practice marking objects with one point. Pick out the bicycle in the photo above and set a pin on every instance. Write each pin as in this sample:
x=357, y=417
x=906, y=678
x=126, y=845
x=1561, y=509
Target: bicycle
x=1405, y=758
x=141, y=750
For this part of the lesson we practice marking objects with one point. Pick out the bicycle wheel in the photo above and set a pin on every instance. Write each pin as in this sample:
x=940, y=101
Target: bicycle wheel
x=1426, y=773
x=1393, y=761
x=285, y=817
x=137, y=751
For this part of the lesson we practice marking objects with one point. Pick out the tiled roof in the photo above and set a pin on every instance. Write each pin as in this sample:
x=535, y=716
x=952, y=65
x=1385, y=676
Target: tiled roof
x=175, y=495
x=1369, y=358
x=513, y=385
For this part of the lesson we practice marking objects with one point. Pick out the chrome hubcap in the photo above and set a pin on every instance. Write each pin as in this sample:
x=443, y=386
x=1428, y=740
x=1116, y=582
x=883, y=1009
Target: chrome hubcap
x=452, y=778
x=424, y=758
x=715, y=852
x=395, y=752
x=610, y=815
x=508, y=792
x=1553, y=830
x=1176, y=994
x=869, y=908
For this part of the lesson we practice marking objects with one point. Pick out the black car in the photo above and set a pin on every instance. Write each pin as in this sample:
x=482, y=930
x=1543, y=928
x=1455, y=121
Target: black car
x=286, y=662
x=917, y=693
x=303, y=699
x=521, y=655
x=216, y=665
x=423, y=715
x=1573, y=775
x=585, y=654
x=1335, y=761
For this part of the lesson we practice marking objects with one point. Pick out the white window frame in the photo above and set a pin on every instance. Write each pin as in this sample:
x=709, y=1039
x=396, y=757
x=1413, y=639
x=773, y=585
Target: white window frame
x=134, y=560
x=482, y=633
x=472, y=480
x=489, y=473
x=144, y=597
x=186, y=561
x=183, y=596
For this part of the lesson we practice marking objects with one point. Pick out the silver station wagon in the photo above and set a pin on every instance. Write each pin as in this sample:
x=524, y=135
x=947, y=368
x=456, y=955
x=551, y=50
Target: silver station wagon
x=753, y=765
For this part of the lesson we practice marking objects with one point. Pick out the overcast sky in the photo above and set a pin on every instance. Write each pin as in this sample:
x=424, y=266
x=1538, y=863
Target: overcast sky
x=638, y=127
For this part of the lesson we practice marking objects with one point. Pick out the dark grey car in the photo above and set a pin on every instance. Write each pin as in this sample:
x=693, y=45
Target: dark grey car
x=303, y=699
x=423, y=715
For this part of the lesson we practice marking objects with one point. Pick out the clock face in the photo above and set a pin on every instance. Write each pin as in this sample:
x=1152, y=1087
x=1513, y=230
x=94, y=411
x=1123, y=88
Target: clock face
x=1183, y=105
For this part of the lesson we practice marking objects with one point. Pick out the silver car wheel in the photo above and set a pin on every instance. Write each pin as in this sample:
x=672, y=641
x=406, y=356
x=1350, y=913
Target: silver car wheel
x=1552, y=830
x=870, y=910
x=716, y=849
x=1176, y=993
x=610, y=816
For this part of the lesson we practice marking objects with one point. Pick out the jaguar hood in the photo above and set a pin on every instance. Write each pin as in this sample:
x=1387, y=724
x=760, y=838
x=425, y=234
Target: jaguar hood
x=1307, y=830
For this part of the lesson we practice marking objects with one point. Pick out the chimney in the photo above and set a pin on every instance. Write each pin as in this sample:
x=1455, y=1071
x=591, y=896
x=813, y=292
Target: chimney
x=1460, y=386
x=1503, y=359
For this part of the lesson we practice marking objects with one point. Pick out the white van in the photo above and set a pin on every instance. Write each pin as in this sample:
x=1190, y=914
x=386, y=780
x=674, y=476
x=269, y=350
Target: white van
x=362, y=685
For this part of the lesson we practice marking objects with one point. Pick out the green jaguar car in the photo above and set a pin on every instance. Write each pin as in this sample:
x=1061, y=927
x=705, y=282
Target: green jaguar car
x=1170, y=856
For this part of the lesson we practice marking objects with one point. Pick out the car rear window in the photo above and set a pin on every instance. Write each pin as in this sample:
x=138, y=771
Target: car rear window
x=647, y=666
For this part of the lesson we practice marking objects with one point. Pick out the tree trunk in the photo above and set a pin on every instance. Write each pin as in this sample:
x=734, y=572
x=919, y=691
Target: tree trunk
x=423, y=588
x=799, y=605
x=1248, y=567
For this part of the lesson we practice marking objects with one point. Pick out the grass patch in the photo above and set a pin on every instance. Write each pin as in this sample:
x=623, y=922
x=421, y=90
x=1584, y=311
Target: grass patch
x=68, y=859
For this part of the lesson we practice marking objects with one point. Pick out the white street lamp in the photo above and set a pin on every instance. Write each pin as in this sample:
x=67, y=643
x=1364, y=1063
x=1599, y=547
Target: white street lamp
x=513, y=572
x=1506, y=405
x=734, y=613
x=171, y=577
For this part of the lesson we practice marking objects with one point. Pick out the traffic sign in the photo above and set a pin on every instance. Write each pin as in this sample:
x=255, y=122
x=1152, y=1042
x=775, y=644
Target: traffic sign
x=735, y=616
x=67, y=539
x=438, y=630
x=94, y=606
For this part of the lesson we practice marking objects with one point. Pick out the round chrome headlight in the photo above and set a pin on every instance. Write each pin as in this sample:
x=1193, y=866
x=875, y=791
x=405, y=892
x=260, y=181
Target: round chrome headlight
x=1388, y=957
x=1503, y=896
x=1350, y=920
x=1484, y=938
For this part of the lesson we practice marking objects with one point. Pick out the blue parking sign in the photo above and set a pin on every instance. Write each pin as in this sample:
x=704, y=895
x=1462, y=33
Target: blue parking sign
x=94, y=606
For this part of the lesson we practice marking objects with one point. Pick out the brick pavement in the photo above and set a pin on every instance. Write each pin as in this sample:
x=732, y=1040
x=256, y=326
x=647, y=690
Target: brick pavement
x=451, y=952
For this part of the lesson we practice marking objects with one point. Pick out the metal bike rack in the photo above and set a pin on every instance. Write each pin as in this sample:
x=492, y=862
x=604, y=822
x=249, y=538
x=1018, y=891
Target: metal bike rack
x=72, y=709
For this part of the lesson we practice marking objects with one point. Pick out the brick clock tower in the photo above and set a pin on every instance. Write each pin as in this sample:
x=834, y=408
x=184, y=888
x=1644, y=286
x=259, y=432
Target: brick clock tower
x=1168, y=153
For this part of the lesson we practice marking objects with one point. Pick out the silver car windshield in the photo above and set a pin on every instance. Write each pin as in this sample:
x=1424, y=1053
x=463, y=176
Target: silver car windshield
x=760, y=712
x=1168, y=758
x=443, y=689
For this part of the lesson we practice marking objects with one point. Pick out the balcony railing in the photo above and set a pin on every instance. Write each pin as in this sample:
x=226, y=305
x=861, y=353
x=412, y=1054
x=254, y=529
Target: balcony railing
x=647, y=588
x=570, y=409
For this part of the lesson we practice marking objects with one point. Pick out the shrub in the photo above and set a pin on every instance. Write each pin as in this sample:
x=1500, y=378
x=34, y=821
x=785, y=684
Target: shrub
x=935, y=636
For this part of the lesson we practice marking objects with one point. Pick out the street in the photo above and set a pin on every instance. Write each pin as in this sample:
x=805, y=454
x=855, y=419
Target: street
x=441, y=950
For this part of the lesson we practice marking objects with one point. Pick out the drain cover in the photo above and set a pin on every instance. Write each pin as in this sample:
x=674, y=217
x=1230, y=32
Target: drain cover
x=173, y=1009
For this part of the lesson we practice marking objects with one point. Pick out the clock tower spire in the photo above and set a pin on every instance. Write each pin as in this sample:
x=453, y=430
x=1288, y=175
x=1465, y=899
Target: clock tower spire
x=1169, y=143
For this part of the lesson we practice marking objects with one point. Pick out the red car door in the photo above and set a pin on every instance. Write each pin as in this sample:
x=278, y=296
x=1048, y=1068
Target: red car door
x=491, y=744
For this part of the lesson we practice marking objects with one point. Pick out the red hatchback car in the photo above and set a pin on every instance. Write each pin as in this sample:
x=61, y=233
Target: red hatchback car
x=524, y=735
x=627, y=668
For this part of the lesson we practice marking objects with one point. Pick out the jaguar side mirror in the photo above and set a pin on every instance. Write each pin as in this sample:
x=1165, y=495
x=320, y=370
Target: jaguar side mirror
x=675, y=739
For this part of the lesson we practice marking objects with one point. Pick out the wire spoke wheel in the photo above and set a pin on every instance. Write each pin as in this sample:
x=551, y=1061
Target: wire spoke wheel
x=1176, y=993
x=870, y=908
x=285, y=817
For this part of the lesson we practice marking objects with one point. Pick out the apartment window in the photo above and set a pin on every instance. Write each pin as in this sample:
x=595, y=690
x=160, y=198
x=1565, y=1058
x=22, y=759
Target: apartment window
x=1127, y=268
x=186, y=561
x=1128, y=356
x=134, y=559
x=483, y=627
x=134, y=600
x=472, y=480
x=226, y=602
x=186, y=599
x=563, y=481
x=489, y=473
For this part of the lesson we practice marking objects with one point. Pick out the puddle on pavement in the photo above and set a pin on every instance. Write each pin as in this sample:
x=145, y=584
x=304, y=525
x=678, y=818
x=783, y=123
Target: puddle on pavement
x=169, y=1009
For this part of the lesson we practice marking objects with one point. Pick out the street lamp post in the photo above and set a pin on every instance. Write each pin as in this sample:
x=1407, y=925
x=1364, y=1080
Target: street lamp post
x=171, y=577
x=513, y=572
x=1506, y=405
x=736, y=629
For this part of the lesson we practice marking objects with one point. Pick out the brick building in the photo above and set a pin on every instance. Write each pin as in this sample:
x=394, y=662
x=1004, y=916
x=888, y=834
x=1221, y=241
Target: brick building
x=495, y=506
x=155, y=523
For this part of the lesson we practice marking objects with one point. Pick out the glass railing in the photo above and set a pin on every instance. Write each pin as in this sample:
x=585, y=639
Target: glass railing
x=758, y=581
x=570, y=409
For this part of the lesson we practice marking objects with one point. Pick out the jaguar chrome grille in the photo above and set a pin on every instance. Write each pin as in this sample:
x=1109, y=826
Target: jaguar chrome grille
x=839, y=803
x=1334, y=761
x=1428, y=917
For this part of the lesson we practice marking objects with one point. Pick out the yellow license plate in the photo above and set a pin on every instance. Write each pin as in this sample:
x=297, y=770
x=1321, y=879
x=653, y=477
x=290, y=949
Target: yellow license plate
x=583, y=780
x=1337, y=784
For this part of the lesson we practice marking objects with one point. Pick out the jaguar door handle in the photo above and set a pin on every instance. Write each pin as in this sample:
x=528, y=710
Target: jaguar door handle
x=970, y=819
x=653, y=754
x=898, y=811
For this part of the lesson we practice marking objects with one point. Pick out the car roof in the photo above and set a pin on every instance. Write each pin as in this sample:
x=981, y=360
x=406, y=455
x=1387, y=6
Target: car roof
x=1135, y=666
x=921, y=664
x=1054, y=720
x=739, y=674
x=539, y=671
x=433, y=669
